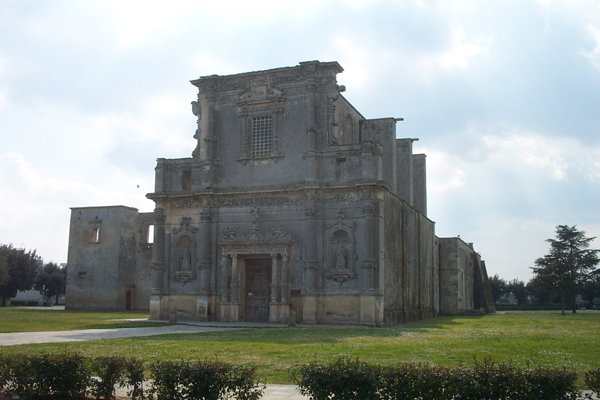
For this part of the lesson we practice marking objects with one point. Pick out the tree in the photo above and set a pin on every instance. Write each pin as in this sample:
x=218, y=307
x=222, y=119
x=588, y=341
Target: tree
x=3, y=270
x=518, y=288
x=498, y=286
x=51, y=281
x=21, y=266
x=568, y=266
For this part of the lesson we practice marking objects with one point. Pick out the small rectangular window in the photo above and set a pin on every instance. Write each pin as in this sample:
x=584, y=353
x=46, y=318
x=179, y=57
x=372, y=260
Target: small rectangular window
x=262, y=137
x=95, y=235
x=186, y=179
x=150, y=236
x=81, y=275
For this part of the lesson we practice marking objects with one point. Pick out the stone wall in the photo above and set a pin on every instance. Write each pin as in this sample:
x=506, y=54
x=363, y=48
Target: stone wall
x=410, y=279
x=106, y=268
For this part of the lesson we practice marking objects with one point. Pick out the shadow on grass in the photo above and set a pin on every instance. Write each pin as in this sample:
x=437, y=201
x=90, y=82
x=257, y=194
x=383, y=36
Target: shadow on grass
x=287, y=335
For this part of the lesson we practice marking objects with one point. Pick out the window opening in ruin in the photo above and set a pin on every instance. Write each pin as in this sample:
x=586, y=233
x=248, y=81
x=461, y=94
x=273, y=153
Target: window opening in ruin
x=82, y=275
x=150, y=234
x=340, y=169
x=95, y=235
x=186, y=179
x=262, y=137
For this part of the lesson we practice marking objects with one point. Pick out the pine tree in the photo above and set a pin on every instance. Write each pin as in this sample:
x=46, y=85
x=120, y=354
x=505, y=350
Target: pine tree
x=569, y=265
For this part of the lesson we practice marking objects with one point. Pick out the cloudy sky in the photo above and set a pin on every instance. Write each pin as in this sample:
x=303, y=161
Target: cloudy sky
x=504, y=97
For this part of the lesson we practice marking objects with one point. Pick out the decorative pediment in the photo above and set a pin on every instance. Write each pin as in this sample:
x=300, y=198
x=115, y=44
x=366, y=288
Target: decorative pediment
x=340, y=223
x=185, y=228
x=260, y=90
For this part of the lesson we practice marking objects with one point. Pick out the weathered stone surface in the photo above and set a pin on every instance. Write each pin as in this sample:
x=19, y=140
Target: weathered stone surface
x=109, y=259
x=291, y=201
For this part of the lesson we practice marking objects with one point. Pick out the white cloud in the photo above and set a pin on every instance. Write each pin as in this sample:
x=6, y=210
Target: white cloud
x=533, y=152
x=34, y=207
x=444, y=172
x=162, y=118
x=594, y=54
x=461, y=53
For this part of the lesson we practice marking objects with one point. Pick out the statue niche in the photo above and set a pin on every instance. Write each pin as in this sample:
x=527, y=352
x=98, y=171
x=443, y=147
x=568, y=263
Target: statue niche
x=340, y=252
x=184, y=258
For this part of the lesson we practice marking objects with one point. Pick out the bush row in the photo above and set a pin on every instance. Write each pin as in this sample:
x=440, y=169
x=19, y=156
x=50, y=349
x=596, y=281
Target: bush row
x=346, y=379
x=73, y=376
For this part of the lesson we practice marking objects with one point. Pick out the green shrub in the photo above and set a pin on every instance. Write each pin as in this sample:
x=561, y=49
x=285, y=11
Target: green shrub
x=243, y=384
x=134, y=378
x=343, y=379
x=206, y=380
x=58, y=376
x=592, y=380
x=551, y=384
x=486, y=380
x=110, y=370
x=412, y=381
x=5, y=369
x=167, y=380
x=497, y=381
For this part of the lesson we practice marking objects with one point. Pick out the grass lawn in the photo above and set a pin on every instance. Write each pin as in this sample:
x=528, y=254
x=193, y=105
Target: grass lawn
x=23, y=319
x=536, y=337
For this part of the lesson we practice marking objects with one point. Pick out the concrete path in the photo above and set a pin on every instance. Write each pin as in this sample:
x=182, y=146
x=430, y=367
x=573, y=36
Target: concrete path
x=13, y=339
x=272, y=392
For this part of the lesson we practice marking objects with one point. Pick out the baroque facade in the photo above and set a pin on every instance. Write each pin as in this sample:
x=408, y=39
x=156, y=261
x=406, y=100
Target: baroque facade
x=291, y=201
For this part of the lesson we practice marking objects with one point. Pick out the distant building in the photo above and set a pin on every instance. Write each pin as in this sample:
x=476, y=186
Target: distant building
x=292, y=200
x=27, y=298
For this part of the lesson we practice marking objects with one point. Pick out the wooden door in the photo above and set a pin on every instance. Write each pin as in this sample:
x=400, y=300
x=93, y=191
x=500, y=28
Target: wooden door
x=258, y=289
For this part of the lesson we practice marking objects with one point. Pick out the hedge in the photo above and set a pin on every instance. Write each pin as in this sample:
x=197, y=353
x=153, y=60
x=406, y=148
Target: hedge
x=72, y=376
x=67, y=376
x=46, y=376
x=346, y=379
x=592, y=380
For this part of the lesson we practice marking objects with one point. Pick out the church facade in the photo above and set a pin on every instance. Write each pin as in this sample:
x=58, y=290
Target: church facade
x=292, y=204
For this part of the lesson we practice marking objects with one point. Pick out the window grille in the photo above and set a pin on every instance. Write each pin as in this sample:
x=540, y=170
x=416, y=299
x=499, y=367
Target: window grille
x=262, y=137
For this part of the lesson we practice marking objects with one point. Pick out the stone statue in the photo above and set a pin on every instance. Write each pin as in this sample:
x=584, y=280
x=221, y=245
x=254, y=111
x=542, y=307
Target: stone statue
x=340, y=258
x=185, y=261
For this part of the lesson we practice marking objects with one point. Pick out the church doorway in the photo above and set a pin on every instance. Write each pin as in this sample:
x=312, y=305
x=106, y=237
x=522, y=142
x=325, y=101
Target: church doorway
x=258, y=289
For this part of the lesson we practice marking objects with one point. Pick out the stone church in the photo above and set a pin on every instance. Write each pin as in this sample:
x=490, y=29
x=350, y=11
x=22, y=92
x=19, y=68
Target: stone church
x=291, y=201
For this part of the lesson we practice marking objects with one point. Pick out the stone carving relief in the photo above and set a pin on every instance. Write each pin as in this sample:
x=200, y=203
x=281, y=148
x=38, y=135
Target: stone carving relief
x=205, y=216
x=340, y=249
x=232, y=86
x=183, y=204
x=276, y=235
x=260, y=89
x=255, y=212
x=289, y=78
x=368, y=210
x=183, y=255
x=265, y=201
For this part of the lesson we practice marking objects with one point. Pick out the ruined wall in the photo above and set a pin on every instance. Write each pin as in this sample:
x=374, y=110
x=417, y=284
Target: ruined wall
x=103, y=257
